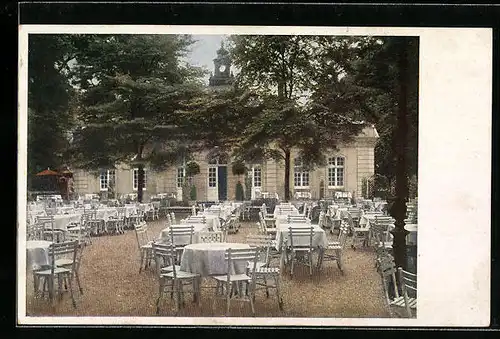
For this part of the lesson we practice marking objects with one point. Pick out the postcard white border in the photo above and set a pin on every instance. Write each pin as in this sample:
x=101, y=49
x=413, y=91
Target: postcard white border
x=454, y=175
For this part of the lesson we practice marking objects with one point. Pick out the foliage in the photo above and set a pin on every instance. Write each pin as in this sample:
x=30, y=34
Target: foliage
x=132, y=89
x=192, y=193
x=281, y=69
x=239, y=168
x=239, y=192
x=192, y=168
x=248, y=187
x=49, y=100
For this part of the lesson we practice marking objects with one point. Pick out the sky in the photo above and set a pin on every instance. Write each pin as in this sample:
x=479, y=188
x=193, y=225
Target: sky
x=204, y=50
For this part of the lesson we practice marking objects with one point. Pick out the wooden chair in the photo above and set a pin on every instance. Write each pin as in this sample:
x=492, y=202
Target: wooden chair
x=50, y=275
x=171, y=279
x=68, y=262
x=238, y=258
x=264, y=272
x=144, y=245
x=335, y=248
x=360, y=233
x=300, y=252
x=180, y=236
x=407, y=283
x=210, y=237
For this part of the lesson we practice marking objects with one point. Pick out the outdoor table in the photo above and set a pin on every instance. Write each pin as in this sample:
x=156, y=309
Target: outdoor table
x=37, y=254
x=106, y=213
x=65, y=210
x=208, y=259
x=319, y=236
x=282, y=219
x=61, y=221
x=285, y=210
x=130, y=210
x=212, y=221
x=411, y=238
x=183, y=240
x=32, y=215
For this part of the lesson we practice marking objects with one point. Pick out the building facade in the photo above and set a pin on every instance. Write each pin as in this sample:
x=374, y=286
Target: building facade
x=345, y=170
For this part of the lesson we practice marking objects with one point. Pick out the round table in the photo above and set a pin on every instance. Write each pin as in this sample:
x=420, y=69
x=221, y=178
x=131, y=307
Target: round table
x=208, y=259
x=37, y=253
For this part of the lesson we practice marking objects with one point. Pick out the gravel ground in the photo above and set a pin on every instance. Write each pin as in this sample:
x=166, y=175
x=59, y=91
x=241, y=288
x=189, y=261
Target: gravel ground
x=113, y=286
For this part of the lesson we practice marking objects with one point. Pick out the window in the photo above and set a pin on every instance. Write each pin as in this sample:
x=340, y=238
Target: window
x=105, y=178
x=336, y=171
x=257, y=177
x=181, y=173
x=300, y=175
x=136, y=179
x=212, y=177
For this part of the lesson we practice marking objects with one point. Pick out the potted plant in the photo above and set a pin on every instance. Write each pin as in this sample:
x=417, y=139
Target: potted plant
x=239, y=169
x=189, y=189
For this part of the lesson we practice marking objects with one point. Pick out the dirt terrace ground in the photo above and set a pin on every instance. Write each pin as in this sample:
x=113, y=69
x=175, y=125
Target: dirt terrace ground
x=113, y=286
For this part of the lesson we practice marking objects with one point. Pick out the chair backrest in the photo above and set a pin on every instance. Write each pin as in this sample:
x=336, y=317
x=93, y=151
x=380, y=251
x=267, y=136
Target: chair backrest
x=178, y=232
x=63, y=249
x=35, y=231
x=141, y=233
x=321, y=219
x=47, y=221
x=355, y=212
x=261, y=242
x=408, y=285
x=304, y=234
x=343, y=232
x=162, y=253
x=198, y=219
x=239, y=258
x=296, y=219
x=387, y=270
x=210, y=237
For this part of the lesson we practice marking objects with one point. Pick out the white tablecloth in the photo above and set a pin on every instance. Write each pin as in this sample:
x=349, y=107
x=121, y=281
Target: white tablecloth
x=212, y=221
x=37, y=253
x=183, y=240
x=283, y=219
x=285, y=210
x=130, y=210
x=319, y=237
x=209, y=258
x=61, y=221
x=106, y=213
x=33, y=214
x=65, y=210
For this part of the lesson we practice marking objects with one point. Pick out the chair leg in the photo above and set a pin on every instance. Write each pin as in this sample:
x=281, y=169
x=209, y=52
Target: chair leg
x=160, y=292
x=339, y=262
x=142, y=259
x=77, y=277
x=228, y=299
x=278, y=292
x=71, y=292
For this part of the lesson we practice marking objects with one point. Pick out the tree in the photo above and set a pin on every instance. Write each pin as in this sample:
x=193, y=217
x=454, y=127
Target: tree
x=133, y=87
x=49, y=100
x=283, y=69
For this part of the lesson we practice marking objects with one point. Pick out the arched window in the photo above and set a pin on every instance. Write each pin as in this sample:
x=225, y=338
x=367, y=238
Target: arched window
x=300, y=174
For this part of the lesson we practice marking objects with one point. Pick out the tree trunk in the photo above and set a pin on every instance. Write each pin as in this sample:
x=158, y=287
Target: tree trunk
x=140, y=182
x=287, y=175
x=399, y=208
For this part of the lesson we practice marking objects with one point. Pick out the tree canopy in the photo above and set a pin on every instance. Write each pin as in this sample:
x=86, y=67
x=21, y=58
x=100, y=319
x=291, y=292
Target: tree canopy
x=50, y=98
x=305, y=105
x=132, y=88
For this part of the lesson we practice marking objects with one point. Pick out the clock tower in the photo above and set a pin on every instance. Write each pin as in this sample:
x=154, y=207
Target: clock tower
x=222, y=75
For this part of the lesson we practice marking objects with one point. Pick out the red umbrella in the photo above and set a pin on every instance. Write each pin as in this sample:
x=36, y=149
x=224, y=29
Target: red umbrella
x=47, y=172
